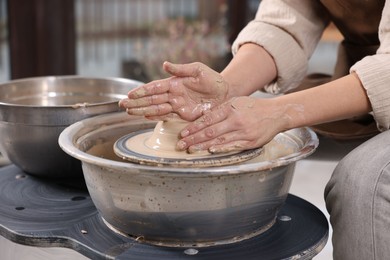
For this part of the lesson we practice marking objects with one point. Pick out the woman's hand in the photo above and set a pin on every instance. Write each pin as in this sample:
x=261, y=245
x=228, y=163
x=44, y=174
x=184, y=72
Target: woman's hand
x=239, y=124
x=193, y=89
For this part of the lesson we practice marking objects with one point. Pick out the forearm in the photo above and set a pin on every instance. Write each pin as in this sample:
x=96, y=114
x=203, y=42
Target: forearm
x=336, y=100
x=250, y=70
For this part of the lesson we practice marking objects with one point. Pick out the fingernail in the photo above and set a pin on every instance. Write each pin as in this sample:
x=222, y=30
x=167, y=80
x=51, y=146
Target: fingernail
x=181, y=145
x=168, y=66
x=136, y=111
x=184, y=133
x=124, y=103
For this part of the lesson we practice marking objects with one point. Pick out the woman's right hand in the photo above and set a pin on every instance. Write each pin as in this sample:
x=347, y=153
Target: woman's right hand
x=192, y=89
x=239, y=124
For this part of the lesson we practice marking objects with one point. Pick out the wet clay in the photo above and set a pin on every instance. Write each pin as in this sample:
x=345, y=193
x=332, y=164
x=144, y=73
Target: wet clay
x=162, y=141
x=158, y=147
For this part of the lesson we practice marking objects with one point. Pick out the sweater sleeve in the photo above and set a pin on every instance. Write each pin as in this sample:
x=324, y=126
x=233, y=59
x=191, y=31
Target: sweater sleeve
x=374, y=73
x=289, y=30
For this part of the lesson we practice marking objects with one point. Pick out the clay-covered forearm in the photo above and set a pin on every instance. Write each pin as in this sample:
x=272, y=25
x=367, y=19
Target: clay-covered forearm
x=250, y=70
x=340, y=99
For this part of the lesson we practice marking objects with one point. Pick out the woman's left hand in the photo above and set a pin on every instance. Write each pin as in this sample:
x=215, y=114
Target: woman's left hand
x=239, y=124
x=192, y=89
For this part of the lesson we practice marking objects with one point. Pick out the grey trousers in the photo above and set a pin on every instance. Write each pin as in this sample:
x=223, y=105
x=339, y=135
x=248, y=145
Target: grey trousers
x=358, y=200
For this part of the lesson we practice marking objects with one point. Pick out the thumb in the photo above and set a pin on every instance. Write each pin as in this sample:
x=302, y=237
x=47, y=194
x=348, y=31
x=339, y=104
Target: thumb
x=182, y=70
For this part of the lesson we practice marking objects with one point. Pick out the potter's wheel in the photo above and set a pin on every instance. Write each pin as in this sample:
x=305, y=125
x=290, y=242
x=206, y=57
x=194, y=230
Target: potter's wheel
x=134, y=147
x=52, y=213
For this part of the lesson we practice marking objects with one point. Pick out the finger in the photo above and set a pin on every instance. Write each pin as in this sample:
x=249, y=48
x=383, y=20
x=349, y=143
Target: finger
x=145, y=101
x=170, y=116
x=220, y=140
x=122, y=103
x=183, y=70
x=215, y=134
x=230, y=147
x=152, y=88
x=228, y=140
x=237, y=141
x=209, y=118
x=154, y=110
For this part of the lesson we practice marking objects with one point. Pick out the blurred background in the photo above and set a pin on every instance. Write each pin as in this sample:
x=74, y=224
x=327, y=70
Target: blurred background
x=116, y=38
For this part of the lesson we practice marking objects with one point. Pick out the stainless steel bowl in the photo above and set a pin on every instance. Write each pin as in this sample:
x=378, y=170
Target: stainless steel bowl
x=34, y=111
x=183, y=206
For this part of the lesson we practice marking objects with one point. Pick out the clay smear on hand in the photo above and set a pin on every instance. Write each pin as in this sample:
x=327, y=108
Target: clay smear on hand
x=141, y=92
x=240, y=103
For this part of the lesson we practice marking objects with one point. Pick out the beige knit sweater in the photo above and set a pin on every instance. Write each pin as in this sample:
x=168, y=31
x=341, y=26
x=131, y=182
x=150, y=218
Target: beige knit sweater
x=290, y=30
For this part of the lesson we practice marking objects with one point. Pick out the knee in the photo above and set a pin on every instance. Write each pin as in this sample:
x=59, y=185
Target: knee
x=355, y=178
x=344, y=185
x=346, y=171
